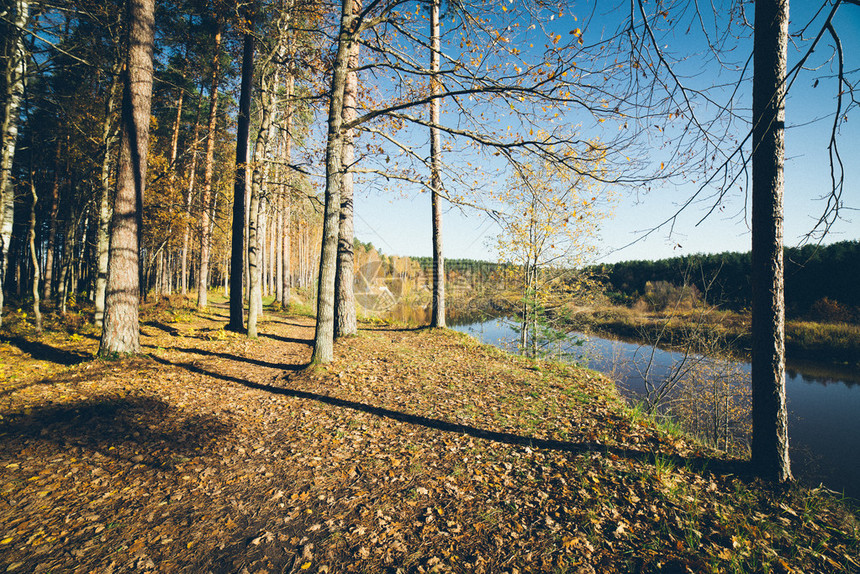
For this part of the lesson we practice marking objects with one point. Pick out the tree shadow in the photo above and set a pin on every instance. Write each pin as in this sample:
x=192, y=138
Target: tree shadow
x=702, y=463
x=114, y=427
x=42, y=352
x=273, y=318
x=287, y=339
x=172, y=331
x=237, y=358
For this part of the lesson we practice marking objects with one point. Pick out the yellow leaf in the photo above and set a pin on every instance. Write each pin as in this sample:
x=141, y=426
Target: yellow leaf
x=306, y=565
x=6, y=540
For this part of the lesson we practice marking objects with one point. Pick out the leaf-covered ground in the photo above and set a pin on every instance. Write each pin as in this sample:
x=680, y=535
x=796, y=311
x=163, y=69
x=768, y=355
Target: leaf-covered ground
x=415, y=451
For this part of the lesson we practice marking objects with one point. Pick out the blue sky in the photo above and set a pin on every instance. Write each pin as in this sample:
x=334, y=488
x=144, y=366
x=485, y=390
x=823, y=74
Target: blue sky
x=400, y=223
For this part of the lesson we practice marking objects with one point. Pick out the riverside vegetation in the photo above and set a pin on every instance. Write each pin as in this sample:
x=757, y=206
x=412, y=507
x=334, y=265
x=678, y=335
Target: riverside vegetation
x=416, y=450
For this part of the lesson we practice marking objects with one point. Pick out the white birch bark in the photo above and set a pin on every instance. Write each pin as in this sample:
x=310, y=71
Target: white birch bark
x=15, y=71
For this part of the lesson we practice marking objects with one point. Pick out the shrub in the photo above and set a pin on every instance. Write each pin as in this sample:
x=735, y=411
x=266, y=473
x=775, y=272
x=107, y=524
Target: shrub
x=660, y=295
x=827, y=310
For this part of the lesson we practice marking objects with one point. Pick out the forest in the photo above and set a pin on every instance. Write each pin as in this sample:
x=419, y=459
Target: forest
x=188, y=384
x=812, y=273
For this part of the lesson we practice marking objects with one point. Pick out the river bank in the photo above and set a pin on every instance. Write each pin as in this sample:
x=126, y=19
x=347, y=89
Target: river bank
x=824, y=430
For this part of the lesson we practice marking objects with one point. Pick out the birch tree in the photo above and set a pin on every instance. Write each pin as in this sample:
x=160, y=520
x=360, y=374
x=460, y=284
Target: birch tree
x=437, y=317
x=485, y=69
x=14, y=15
x=103, y=235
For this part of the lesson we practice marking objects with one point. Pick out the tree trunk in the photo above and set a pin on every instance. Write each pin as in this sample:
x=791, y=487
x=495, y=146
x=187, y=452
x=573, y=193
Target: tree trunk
x=246, y=275
x=288, y=191
x=205, y=227
x=345, y=318
x=47, y=291
x=262, y=228
x=34, y=258
x=272, y=259
x=121, y=332
x=237, y=257
x=15, y=72
x=174, y=138
x=159, y=271
x=324, y=333
x=437, y=317
x=66, y=261
x=263, y=263
x=255, y=217
x=279, y=244
x=103, y=234
x=770, y=430
x=189, y=193
x=253, y=259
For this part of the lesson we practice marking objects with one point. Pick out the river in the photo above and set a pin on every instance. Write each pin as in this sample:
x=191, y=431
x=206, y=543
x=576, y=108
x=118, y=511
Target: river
x=823, y=401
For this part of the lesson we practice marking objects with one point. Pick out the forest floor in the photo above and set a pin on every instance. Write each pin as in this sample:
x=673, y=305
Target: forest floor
x=416, y=450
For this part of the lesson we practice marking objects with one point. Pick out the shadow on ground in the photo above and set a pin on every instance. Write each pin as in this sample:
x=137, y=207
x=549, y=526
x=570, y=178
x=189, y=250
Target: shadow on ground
x=700, y=462
x=114, y=427
x=239, y=359
x=288, y=339
x=42, y=352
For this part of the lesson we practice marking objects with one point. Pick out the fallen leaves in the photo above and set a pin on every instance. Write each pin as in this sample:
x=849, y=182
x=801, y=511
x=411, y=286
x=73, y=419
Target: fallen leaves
x=416, y=450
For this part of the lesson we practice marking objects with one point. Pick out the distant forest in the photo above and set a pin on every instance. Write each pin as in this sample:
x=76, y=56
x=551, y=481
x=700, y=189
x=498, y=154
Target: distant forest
x=819, y=280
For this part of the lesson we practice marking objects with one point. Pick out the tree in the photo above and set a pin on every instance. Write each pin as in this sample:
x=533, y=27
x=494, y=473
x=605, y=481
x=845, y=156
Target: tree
x=549, y=223
x=437, y=317
x=34, y=259
x=771, y=84
x=271, y=60
x=208, y=168
x=103, y=235
x=345, y=320
x=189, y=194
x=15, y=15
x=121, y=332
x=769, y=414
x=237, y=254
x=324, y=332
